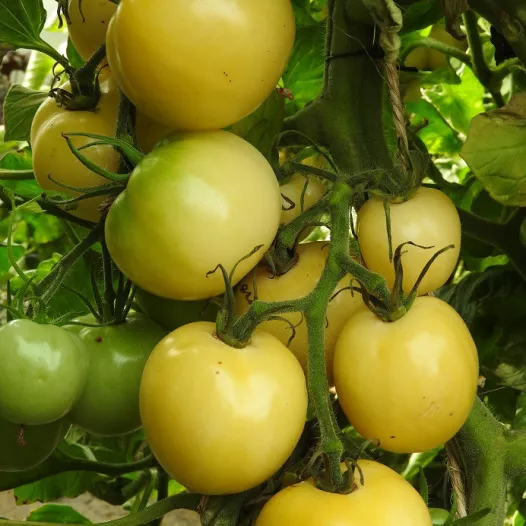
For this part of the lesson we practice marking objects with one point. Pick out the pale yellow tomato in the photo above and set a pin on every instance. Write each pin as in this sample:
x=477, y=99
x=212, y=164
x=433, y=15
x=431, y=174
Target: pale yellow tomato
x=53, y=158
x=436, y=59
x=299, y=281
x=384, y=499
x=409, y=384
x=430, y=219
x=221, y=420
x=311, y=188
x=89, y=24
x=197, y=65
x=200, y=200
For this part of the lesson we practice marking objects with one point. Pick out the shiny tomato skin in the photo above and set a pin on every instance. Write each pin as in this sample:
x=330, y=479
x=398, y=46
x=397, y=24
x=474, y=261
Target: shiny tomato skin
x=384, y=499
x=172, y=314
x=409, y=384
x=212, y=199
x=89, y=25
x=216, y=417
x=23, y=448
x=44, y=370
x=53, y=158
x=109, y=404
x=299, y=281
x=429, y=219
x=229, y=57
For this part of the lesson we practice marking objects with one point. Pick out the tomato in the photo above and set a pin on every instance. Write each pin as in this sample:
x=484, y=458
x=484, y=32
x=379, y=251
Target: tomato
x=439, y=516
x=409, y=384
x=172, y=314
x=384, y=499
x=53, y=158
x=219, y=60
x=149, y=132
x=89, y=23
x=23, y=448
x=310, y=187
x=296, y=283
x=109, y=404
x=211, y=199
x=44, y=370
x=216, y=417
x=429, y=218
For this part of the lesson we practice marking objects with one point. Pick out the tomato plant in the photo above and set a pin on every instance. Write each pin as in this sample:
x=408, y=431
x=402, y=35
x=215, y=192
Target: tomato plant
x=44, y=370
x=235, y=428
x=229, y=200
x=109, y=404
x=305, y=505
x=339, y=177
x=296, y=283
x=215, y=87
x=409, y=384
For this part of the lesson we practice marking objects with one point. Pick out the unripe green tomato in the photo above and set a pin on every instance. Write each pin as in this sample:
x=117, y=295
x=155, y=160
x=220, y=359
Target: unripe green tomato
x=438, y=516
x=24, y=447
x=109, y=405
x=172, y=314
x=201, y=199
x=44, y=370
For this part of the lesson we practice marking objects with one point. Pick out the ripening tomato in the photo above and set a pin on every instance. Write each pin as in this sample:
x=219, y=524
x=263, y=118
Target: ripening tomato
x=109, y=404
x=217, y=418
x=44, y=370
x=220, y=61
x=430, y=219
x=384, y=499
x=212, y=198
x=24, y=447
x=409, y=384
x=89, y=23
x=299, y=281
x=172, y=314
x=52, y=157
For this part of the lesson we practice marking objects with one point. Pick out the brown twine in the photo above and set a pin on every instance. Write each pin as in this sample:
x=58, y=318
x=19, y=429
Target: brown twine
x=393, y=82
x=457, y=481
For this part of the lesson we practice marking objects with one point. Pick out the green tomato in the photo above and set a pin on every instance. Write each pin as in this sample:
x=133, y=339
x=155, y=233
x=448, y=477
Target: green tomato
x=24, y=447
x=43, y=373
x=438, y=516
x=109, y=405
x=172, y=314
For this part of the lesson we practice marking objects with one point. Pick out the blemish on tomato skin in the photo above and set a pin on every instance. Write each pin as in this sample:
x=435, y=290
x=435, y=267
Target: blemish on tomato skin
x=98, y=339
x=392, y=437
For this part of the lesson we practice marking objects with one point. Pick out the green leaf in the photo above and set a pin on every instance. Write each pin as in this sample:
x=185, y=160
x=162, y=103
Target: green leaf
x=473, y=518
x=38, y=70
x=5, y=264
x=261, y=127
x=56, y=514
x=437, y=135
x=438, y=516
x=423, y=487
x=21, y=22
x=459, y=103
x=494, y=150
x=74, y=58
x=20, y=107
x=20, y=160
x=422, y=13
x=304, y=73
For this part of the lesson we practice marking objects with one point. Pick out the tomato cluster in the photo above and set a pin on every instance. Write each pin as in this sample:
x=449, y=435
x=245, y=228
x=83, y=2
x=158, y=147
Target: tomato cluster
x=222, y=418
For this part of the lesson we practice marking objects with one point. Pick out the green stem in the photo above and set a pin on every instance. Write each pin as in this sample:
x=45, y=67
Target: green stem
x=16, y=175
x=63, y=464
x=432, y=43
x=51, y=283
x=482, y=450
x=480, y=67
